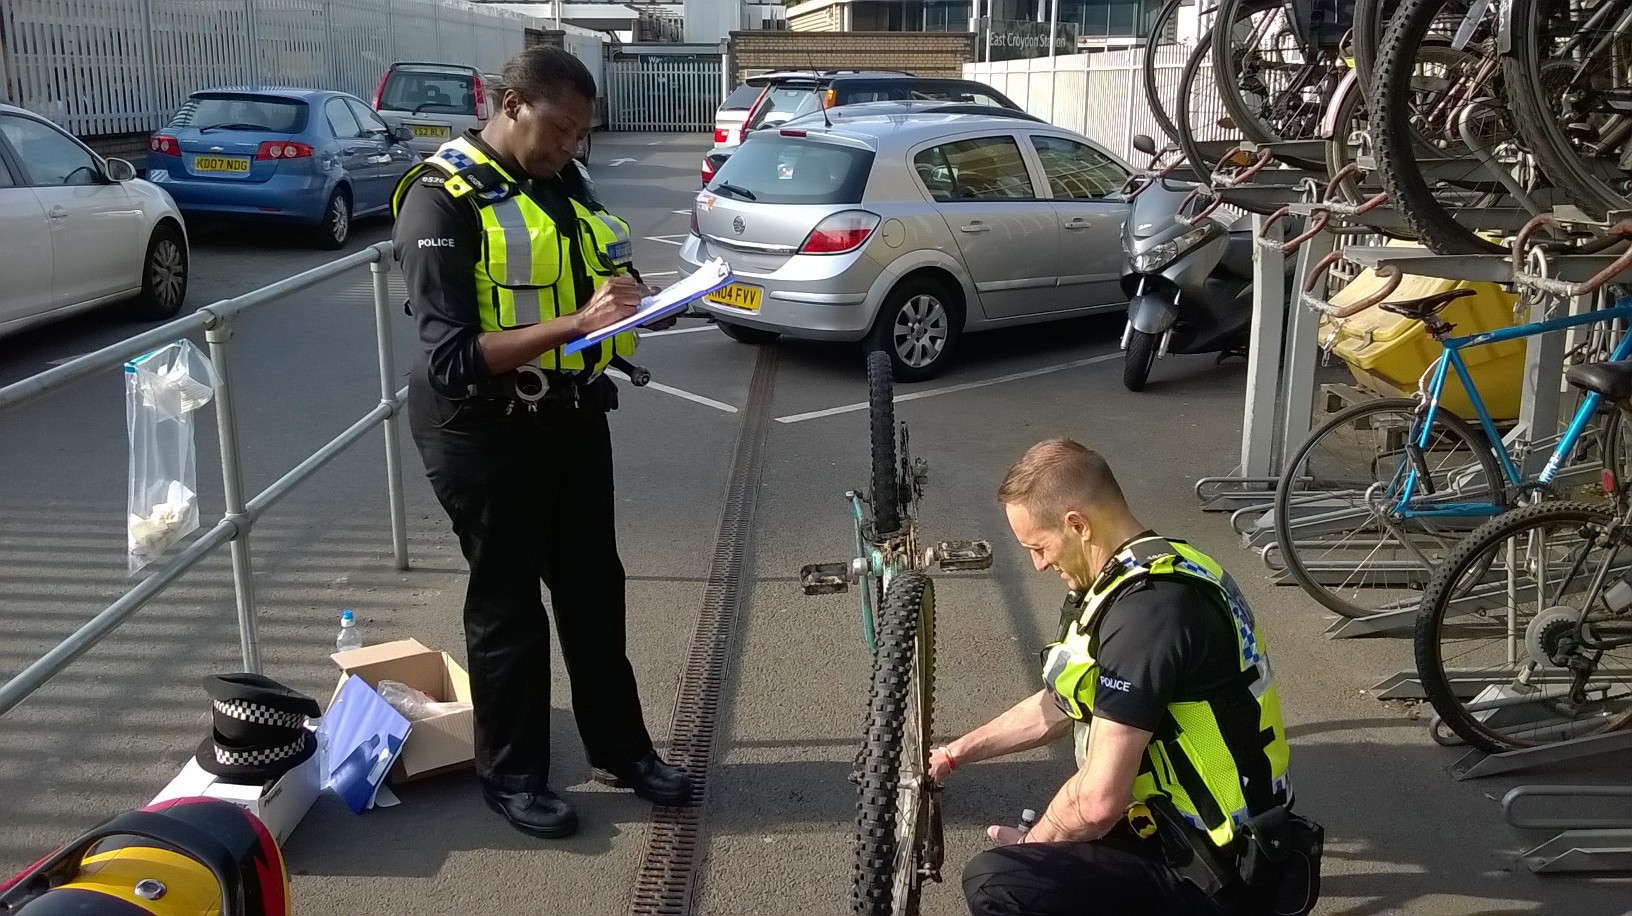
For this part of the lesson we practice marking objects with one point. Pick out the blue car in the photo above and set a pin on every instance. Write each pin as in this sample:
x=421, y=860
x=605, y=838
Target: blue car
x=306, y=157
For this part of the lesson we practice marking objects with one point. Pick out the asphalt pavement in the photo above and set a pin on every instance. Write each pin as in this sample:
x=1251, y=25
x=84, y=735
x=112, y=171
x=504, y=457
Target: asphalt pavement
x=1403, y=837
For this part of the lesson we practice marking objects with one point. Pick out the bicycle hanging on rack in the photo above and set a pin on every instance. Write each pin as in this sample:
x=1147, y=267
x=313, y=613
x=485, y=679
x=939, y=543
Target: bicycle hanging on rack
x=898, y=843
x=1376, y=496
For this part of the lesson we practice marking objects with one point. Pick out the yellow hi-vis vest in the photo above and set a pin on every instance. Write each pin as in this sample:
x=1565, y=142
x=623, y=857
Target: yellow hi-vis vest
x=525, y=273
x=1221, y=760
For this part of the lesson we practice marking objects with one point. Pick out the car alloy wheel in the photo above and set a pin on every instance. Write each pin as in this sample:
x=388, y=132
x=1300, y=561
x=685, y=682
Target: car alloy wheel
x=920, y=331
x=167, y=274
x=339, y=218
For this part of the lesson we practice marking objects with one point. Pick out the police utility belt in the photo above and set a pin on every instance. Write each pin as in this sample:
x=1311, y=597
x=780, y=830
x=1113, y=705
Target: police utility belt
x=1275, y=856
x=529, y=387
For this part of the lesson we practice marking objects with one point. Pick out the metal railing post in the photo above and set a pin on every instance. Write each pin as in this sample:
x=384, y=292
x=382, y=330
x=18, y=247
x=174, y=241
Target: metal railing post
x=218, y=332
x=381, y=271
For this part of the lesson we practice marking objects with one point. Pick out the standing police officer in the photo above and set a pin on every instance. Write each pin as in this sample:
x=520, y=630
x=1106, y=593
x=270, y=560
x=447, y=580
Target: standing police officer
x=1160, y=656
x=508, y=258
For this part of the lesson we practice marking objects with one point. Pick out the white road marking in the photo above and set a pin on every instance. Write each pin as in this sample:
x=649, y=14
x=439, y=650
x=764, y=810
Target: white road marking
x=913, y=396
x=617, y=162
x=660, y=273
x=681, y=212
x=675, y=240
x=697, y=398
x=701, y=327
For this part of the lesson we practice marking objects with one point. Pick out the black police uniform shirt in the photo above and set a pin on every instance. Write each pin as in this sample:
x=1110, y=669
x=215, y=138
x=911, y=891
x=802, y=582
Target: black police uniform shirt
x=1161, y=641
x=438, y=241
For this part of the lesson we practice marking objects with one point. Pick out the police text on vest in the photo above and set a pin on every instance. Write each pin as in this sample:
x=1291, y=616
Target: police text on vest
x=436, y=243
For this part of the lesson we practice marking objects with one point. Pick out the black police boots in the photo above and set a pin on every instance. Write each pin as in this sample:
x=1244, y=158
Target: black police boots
x=650, y=778
x=541, y=814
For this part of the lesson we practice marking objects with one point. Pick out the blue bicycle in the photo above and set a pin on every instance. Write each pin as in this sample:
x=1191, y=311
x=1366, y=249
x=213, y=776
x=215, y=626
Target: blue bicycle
x=1376, y=496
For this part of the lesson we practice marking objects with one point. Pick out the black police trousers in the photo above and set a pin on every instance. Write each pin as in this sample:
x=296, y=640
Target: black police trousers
x=1117, y=875
x=530, y=494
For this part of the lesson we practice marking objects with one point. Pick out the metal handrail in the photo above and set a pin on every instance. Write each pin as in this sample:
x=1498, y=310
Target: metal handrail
x=235, y=525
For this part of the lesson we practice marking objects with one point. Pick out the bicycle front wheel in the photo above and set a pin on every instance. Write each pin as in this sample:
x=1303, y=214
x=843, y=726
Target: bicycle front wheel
x=1336, y=520
x=1504, y=650
x=897, y=814
x=886, y=496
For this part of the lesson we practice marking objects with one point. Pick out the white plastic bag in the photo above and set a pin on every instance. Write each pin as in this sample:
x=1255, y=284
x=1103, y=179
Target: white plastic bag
x=162, y=390
x=415, y=704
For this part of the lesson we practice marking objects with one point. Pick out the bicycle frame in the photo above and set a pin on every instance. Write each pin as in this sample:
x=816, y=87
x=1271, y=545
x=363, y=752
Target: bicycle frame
x=1452, y=358
x=883, y=562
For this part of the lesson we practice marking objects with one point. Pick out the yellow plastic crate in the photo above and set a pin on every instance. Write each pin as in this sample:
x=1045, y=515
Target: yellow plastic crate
x=1387, y=354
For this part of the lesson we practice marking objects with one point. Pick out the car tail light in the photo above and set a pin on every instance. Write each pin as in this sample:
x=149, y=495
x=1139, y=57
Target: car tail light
x=721, y=135
x=695, y=229
x=830, y=98
x=284, y=149
x=164, y=145
x=379, y=91
x=793, y=133
x=481, y=99
x=708, y=170
x=840, y=233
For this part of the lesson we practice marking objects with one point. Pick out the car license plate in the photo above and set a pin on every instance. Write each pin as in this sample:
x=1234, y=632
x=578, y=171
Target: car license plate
x=737, y=296
x=433, y=131
x=232, y=164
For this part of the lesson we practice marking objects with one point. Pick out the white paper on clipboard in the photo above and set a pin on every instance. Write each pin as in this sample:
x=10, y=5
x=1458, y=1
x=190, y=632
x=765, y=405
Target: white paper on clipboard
x=712, y=275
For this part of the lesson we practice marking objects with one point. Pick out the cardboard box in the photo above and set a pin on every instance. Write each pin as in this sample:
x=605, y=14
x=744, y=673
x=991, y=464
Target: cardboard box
x=439, y=744
x=281, y=806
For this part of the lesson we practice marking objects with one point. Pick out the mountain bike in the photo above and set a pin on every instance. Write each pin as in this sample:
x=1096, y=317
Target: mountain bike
x=898, y=839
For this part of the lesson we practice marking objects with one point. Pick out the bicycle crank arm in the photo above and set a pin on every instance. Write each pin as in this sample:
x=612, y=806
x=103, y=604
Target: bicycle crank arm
x=955, y=555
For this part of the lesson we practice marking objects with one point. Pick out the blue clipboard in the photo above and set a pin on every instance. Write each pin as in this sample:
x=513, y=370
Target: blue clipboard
x=712, y=276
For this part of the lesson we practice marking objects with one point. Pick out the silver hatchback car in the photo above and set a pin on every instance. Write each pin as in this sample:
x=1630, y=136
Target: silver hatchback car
x=905, y=225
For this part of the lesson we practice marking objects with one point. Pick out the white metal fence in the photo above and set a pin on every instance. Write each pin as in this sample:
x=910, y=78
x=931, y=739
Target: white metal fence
x=101, y=67
x=1102, y=95
x=652, y=93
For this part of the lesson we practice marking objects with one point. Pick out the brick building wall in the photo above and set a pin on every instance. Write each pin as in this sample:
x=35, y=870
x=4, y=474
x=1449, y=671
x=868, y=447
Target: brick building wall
x=923, y=53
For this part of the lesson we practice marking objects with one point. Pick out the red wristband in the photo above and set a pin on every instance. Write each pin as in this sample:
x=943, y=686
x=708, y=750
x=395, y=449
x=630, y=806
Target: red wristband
x=951, y=762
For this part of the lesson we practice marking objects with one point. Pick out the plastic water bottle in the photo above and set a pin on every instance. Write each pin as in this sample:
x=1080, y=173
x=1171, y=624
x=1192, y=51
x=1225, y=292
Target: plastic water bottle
x=1028, y=818
x=351, y=635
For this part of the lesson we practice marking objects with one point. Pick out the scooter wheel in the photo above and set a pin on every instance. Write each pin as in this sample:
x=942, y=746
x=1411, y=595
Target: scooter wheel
x=1137, y=360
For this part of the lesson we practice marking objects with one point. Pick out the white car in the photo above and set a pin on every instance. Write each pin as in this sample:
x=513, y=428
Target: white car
x=81, y=231
x=732, y=112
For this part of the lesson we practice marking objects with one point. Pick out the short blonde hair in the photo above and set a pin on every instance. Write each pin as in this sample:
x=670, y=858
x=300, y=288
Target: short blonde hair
x=1058, y=475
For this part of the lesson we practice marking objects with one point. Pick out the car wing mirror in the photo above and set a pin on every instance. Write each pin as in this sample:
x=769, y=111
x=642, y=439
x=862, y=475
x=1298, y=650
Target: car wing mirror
x=120, y=170
x=402, y=134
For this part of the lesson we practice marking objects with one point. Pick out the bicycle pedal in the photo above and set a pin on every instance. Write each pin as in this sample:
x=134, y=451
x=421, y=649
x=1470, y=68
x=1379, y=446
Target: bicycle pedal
x=825, y=578
x=954, y=555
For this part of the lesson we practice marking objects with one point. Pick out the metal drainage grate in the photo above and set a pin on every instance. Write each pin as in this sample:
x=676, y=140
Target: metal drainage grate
x=668, y=872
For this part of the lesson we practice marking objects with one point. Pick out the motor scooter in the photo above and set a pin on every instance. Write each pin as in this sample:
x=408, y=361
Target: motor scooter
x=1188, y=277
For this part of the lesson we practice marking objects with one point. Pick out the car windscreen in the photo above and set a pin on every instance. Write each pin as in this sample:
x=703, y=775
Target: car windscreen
x=430, y=92
x=783, y=103
x=741, y=98
x=242, y=112
x=794, y=170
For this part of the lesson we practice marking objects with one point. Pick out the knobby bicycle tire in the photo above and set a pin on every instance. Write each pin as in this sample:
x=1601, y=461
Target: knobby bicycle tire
x=1288, y=498
x=1470, y=553
x=886, y=496
x=1153, y=47
x=900, y=711
x=1525, y=69
x=1398, y=141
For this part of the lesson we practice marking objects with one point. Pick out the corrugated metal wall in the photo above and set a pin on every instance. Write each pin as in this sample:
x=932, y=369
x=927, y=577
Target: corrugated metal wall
x=651, y=93
x=101, y=67
x=1098, y=95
